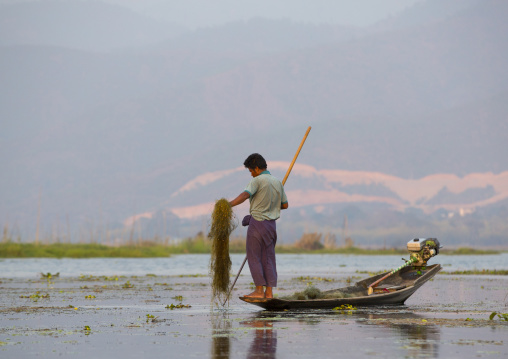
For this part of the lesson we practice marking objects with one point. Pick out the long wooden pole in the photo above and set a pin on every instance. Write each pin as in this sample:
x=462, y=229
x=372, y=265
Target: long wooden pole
x=296, y=156
x=283, y=183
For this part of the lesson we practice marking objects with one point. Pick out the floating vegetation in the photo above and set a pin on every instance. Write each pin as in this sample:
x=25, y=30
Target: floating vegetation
x=345, y=309
x=127, y=285
x=36, y=296
x=503, y=316
x=371, y=274
x=90, y=297
x=223, y=223
x=178, y=298
x=468, y=251
x=177, y=306
x=150, y=318
x=309, y=278
x=48, y=275
x=89, y=277
x=164, y=285
x=478, y=272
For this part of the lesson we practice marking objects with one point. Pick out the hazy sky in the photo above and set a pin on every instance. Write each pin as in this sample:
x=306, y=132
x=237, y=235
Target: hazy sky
x=198, y=13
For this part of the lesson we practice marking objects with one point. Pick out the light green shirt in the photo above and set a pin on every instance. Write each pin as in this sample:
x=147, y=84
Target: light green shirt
x=266, y=196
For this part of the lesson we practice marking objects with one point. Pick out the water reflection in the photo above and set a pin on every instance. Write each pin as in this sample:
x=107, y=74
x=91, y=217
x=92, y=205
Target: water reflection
x=414, y=338
x=221, y=335
x=264, y=342
x=418, y=338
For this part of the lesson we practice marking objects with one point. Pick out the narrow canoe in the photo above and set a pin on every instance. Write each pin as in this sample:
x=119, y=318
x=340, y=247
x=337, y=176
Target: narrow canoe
x=394, y=290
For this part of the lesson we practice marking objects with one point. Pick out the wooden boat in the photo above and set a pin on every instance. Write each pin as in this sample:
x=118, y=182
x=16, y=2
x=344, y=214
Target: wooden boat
x=394, y=290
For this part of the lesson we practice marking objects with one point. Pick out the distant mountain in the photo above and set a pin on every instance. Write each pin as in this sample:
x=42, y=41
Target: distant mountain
x=103, y=137
x=312, y=187
x=373, y=208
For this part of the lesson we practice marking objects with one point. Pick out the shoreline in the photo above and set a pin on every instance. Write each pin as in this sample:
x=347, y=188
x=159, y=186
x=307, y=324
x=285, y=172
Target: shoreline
x=152, y=250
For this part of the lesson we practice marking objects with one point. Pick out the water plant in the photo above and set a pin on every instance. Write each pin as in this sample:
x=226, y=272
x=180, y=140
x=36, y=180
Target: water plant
x=87, y=330
x=345, y=308
x=150, y=318
x=48, y=275
x=309, y=278
x=36, y=296
x=502, y=316
x=222, y=224
x=177, y=306
x=478, y=272
x=312, y=292
x=127, y=285
x=90, y=277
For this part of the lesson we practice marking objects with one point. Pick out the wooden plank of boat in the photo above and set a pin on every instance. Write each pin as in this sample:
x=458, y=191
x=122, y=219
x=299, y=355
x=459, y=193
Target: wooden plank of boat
x=395, y=291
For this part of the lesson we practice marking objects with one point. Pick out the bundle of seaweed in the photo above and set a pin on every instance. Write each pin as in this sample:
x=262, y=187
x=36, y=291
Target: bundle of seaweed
x=223, y=223
x=314, y=293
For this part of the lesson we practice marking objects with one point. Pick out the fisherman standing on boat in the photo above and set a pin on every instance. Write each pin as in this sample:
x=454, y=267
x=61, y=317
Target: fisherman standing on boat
x=267, y=197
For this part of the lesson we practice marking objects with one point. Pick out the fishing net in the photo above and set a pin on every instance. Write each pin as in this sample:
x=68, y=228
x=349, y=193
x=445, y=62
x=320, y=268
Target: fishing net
x=223, y=223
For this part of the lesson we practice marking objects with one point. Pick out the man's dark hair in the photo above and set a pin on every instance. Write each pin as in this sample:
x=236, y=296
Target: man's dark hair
x=255, y=160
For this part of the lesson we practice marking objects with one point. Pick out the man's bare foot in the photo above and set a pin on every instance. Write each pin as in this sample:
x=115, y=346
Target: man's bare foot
x=268, y=292
x=258, y=293
x=255, y=295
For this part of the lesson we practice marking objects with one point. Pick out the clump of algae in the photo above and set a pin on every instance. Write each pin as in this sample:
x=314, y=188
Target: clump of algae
x=308, y=293
x=223, y=223
x=315, y=293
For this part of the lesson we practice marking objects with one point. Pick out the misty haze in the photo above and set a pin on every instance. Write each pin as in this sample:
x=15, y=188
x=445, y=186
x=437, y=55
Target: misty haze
x=124, y=119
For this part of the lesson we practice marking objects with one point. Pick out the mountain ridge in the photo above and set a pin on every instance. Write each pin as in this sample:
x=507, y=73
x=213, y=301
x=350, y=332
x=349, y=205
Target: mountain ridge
x=101, y=136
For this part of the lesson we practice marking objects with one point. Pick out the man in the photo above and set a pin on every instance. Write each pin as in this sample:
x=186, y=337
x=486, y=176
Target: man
x=267, y=197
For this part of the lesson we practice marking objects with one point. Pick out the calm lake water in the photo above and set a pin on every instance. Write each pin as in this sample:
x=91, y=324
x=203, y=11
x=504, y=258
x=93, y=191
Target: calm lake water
x=291, y=264
x=131, y=318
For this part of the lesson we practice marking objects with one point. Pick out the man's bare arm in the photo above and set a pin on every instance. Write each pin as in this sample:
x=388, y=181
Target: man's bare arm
x=240, y=199
x=284, y=206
